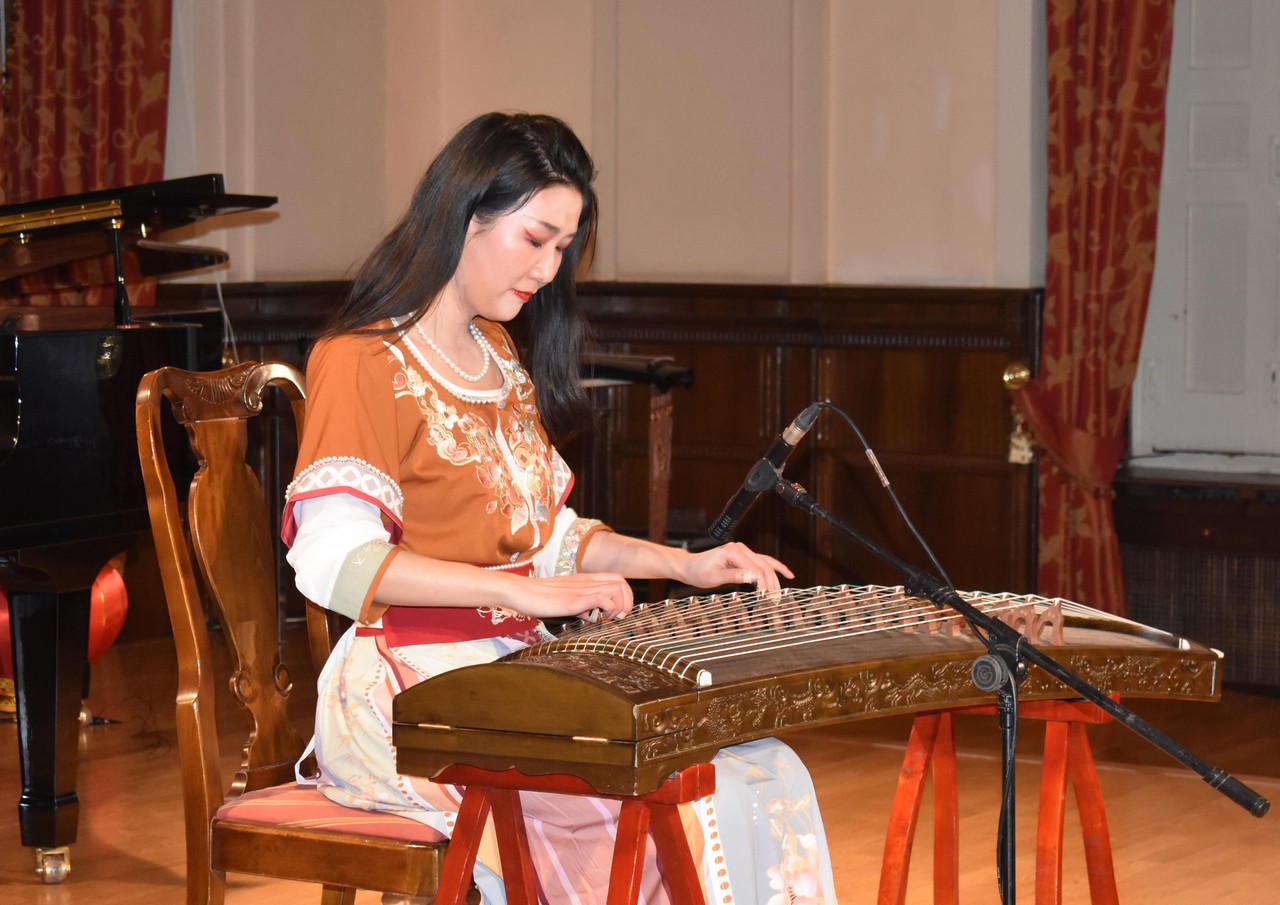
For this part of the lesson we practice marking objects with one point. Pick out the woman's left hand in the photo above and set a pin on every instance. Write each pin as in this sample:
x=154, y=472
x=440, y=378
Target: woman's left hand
x=734, y=563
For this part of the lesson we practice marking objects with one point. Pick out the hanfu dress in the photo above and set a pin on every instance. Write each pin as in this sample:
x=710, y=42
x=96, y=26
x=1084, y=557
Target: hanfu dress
x=455, y=473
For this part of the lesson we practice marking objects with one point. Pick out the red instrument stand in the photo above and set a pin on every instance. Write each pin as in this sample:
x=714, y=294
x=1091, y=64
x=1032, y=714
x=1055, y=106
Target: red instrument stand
x=1066, y=753
x=654, y=813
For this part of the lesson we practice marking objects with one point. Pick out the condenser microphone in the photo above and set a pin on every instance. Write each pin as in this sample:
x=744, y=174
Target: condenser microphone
x=764, y=473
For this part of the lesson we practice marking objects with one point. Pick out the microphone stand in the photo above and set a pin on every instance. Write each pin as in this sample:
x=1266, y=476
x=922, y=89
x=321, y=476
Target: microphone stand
x=1004, y=667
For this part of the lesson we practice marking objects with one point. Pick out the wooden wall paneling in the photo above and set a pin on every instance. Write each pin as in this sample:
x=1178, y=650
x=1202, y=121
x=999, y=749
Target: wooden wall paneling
x=744, y=393
x=938, y=423
x=918, y=369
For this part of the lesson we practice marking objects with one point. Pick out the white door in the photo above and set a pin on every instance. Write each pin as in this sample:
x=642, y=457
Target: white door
x=1207, y=374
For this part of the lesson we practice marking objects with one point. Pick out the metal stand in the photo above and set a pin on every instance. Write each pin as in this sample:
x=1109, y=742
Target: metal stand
x=1002, y=669
x=123, y=315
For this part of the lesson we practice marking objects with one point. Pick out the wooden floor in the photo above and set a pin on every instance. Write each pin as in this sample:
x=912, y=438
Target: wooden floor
x=1176, y=840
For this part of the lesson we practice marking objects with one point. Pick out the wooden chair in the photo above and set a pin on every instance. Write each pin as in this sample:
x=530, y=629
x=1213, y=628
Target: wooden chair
x=266, y=823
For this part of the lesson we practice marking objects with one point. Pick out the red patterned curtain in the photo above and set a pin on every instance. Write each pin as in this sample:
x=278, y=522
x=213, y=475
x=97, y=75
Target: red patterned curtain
x=85, y=108
x=1108, y=63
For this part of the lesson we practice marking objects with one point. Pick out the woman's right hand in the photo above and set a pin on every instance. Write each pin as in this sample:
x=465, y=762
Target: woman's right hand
x=604, y=594
x=415, y=580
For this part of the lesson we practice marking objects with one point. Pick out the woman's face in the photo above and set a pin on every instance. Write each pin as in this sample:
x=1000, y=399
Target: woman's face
x=504, y=262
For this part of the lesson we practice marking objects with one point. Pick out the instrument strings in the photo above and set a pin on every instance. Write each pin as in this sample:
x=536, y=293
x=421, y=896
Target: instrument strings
x=685, y=637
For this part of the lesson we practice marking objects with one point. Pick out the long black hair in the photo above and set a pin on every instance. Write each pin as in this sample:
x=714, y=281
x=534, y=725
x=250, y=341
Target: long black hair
x=492, y=166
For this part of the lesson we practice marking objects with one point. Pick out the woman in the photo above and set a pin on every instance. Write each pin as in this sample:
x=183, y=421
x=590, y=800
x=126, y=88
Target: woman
x=429, y=506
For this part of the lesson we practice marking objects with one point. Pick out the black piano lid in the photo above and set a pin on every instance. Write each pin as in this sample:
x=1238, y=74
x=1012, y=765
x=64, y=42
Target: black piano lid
x=68, y=458
x=50, y=232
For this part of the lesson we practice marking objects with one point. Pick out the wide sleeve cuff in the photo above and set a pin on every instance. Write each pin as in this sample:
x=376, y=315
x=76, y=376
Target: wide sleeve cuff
x=353, y=477
x=358, y=576
x=330, y=529
x=574, y=544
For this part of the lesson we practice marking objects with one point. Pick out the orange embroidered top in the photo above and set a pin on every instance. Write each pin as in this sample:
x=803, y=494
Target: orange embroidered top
x=457, y=474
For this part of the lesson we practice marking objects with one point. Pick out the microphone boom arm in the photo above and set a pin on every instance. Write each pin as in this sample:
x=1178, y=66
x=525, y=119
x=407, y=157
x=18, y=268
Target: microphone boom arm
x=996, y=634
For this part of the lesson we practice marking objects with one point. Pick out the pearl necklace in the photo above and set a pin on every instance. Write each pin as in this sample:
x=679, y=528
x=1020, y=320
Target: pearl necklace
x=485, y=351
x=510, y=371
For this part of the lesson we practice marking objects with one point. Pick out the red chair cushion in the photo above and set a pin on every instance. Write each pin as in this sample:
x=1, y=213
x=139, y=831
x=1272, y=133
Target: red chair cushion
x=303, y=806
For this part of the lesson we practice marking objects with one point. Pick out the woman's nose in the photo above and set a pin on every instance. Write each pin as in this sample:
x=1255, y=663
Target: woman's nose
x=544, y=267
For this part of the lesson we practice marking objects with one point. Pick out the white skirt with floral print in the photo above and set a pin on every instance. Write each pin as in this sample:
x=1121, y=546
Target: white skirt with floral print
x=758, y=840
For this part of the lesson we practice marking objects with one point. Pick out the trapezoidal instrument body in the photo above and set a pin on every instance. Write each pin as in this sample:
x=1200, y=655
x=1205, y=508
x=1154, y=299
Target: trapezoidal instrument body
x=622, y=705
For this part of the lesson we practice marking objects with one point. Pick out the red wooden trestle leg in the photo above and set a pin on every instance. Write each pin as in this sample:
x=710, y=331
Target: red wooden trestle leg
x=1066, y=755
x=655, y=813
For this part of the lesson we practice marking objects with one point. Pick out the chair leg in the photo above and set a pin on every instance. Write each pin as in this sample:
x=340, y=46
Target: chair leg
x=214, y=891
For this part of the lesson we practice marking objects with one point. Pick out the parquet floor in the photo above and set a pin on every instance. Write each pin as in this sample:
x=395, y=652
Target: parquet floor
x=1176, y=841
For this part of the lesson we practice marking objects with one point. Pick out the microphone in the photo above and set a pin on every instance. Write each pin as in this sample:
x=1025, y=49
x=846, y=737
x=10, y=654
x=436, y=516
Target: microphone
x=764, y=473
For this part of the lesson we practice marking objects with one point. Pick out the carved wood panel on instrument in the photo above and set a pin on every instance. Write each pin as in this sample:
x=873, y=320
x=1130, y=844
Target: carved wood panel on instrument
x=622, y=705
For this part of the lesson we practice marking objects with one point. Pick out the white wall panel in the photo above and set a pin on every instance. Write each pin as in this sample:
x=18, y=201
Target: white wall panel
x=704, y=140
x=737, y=140
x=913, y=142
x=318, y=96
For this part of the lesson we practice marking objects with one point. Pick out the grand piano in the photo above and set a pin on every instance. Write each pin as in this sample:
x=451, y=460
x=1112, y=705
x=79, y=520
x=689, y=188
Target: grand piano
x=71, y=493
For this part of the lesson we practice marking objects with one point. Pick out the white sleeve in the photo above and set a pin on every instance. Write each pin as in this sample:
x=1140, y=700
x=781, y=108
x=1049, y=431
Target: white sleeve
x=546, y=562
x=329, y=528
x=560, y=555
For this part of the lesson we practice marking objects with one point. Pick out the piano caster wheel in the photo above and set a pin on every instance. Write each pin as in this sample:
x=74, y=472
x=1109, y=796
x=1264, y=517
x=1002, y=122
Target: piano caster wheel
x=53, y=864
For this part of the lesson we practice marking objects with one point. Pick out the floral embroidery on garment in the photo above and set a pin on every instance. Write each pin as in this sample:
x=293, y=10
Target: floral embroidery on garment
x=497, y=614
x=796, y=879
x=529, y=455
x=513, y=468
x=567, y=558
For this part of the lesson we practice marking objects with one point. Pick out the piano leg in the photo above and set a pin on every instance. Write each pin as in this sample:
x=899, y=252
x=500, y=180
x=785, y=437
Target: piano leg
x=50, y=637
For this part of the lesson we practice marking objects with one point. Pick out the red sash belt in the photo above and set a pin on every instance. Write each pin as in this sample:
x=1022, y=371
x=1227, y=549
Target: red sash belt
x=403, y=626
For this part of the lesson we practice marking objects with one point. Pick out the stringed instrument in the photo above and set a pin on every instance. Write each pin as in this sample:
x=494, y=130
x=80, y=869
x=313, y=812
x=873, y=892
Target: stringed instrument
x=623, y=704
